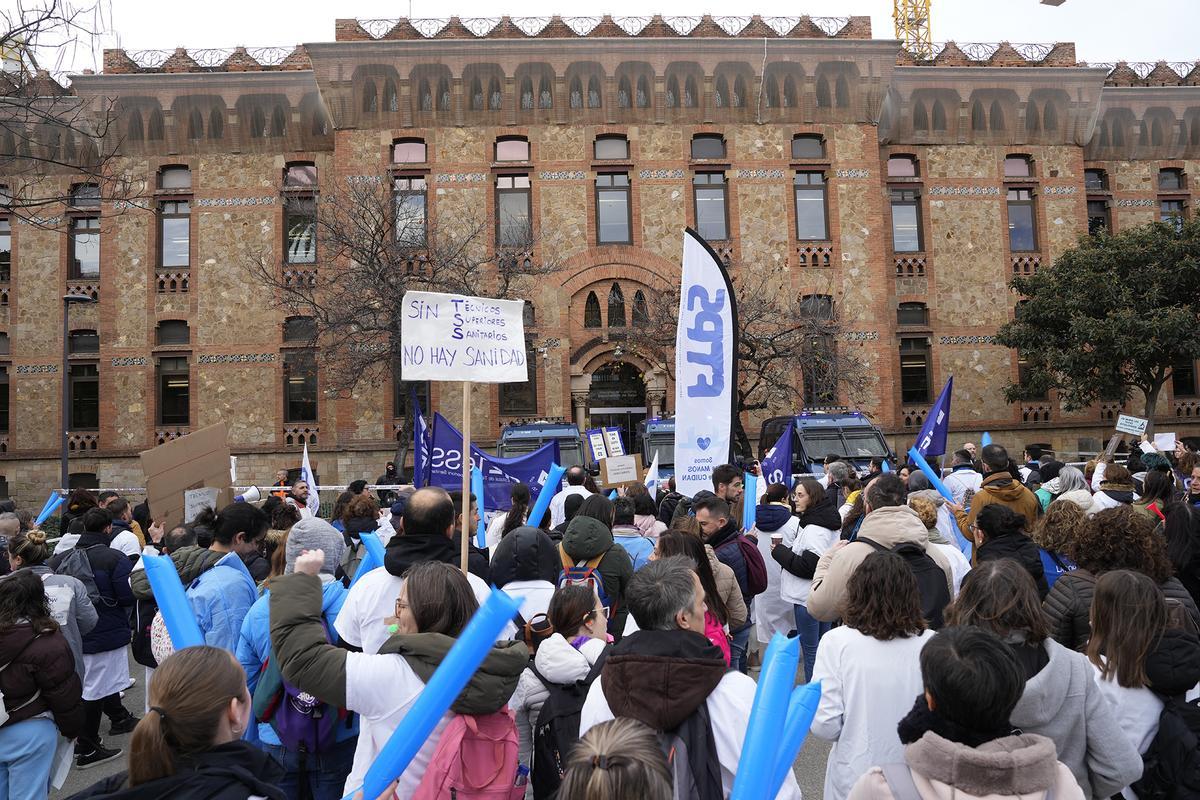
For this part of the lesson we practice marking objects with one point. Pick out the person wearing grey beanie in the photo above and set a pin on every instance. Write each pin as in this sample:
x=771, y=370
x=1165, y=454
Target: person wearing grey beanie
x=314, y=534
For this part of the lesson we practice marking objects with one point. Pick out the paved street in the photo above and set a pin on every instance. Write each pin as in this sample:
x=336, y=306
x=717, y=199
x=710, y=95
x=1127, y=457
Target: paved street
x=810, y=766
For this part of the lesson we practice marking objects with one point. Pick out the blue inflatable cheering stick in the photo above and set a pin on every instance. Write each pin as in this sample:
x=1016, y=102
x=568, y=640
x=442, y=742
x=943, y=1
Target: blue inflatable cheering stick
x=172, y=602
x=456, y=669
x=477, y=490
x=52, y=502
x=935, y=479
x=750, y=501
x=802, y=708
x=760, y=749
x=374, y=557
x=548, y=490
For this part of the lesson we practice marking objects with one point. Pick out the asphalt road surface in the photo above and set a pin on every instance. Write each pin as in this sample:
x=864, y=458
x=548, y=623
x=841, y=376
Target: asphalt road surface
x=810, y=766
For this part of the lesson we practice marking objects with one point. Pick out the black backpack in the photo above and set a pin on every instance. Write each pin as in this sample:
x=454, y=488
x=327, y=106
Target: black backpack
x=1171, y=766
x=143, y=616
x=931, y=580
x=556, y=730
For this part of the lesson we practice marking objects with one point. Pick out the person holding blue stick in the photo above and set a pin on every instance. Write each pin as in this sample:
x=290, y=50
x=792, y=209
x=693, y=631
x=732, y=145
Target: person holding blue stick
x=668, y=676
x=435, y=604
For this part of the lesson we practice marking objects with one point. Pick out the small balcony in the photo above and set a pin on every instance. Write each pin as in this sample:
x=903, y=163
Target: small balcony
x=816, y=256
x=82, y=443
x=85, y=287
x=1025, y=264
x=300, y=435
x=172, y=281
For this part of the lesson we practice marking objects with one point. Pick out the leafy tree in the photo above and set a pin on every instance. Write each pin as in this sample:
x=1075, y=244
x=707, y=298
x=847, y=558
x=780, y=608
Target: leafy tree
x=1112, y=315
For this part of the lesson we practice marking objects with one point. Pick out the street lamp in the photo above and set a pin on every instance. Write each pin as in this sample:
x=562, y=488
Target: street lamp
x=68, y=299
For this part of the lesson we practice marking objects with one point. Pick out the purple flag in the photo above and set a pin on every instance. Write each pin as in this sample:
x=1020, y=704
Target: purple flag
x=931, y=441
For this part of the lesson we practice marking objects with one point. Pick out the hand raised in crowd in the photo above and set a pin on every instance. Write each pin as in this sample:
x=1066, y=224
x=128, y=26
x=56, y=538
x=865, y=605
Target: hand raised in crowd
x=310, y=562
x=156, y=531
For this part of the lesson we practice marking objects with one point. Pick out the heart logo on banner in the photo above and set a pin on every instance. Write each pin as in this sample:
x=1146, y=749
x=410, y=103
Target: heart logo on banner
x=703, y=442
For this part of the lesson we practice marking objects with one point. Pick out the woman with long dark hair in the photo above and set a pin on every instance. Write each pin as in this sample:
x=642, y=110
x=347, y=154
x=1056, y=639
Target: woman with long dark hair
x=514, y=518
x=717, y=620
x=869, y=670
x=42, y=694
x=798, y=554
x=190, y=744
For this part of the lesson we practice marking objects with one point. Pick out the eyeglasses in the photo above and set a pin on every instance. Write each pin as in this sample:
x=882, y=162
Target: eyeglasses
x=400, y=604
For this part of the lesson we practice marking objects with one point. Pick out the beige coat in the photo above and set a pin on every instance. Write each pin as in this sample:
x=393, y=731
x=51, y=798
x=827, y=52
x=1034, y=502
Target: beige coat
x=727, y=586
x=889, y=526
x=1021, y=767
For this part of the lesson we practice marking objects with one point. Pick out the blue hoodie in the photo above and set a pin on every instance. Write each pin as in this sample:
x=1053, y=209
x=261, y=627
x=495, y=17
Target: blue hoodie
x=254, y=647
x=770, y=517
x=220, y=598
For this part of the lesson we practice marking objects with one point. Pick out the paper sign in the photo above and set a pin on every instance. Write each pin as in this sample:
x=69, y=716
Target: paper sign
x=595, y=438
x=621, y=470
x=1134, y=425
x=612, y=437
x=453, y=337
x=1164, y=442
x=196, y=500
x=1147, y=448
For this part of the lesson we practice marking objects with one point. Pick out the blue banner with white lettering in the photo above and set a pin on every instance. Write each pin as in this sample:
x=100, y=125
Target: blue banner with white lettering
x=931, y=441
x=705, y=367
x=777, y=463
x=499, y=474
x=420, y=442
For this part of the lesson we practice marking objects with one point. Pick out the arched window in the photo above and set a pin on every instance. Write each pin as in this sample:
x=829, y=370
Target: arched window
x=476, y=95
x=391, y=101
x=155, y=131
x=278, y=122
x=824, y=98
x=526, y=95
x=978, y=120
x=216, y=125
x=545, y=98
x=443, y=95
x=1032, y=123
x=133, y=128
x=643, y=93
x=672, y=97
x=616, y=307
x=772, y=93
x=195, y=125
x=593, y=93
x=1118, y=133
x=689, y=92
x=623, y=99
x=370, y=101
x=1156, y=132
x=426, y=96
x=739, y=93
x=258, y=124
x=1049, y=118
x=576, y=99
x=920, y=118
x=720, y=92
x=789, y=93
x=996, y=116
x=591, y=311
x=495, y=98
x=939, y=116
x=641, y=313
x=842, y=90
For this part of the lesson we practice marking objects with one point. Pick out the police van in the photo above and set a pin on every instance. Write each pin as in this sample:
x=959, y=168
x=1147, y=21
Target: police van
x=519, y=440
x=817, y=434
x=658, y=438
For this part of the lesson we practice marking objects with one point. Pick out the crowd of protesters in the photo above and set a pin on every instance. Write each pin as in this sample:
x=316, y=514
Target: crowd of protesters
x=1033, y=634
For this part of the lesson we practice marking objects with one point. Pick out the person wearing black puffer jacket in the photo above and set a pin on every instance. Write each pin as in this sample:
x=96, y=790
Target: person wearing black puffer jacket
x=526, y=565
x=1116, y=538
x=999, y=533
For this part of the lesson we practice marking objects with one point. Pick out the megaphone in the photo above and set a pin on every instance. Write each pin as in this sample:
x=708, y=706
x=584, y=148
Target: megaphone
x=252, y=495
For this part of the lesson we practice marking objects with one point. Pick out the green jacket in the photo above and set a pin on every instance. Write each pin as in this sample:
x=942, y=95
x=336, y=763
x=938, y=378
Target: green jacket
x=190, y=562
x=309, y=662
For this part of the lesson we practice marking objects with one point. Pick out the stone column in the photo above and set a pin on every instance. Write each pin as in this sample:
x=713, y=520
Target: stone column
x=579, y=401
x=656, y=398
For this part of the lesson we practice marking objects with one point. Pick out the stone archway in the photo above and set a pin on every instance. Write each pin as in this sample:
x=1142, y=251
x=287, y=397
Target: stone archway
x=618, y=389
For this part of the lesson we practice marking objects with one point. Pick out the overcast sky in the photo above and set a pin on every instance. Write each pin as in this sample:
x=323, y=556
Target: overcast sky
x=1103, y=30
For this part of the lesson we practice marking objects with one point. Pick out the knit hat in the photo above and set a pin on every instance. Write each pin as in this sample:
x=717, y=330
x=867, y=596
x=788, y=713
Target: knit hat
x=315, y=534
x=1050, y=471
x=1156, y=461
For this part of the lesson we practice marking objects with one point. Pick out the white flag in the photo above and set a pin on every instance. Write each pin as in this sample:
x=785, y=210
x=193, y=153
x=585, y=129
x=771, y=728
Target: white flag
x=306, y=475
x=705, y=367
x=652, y=476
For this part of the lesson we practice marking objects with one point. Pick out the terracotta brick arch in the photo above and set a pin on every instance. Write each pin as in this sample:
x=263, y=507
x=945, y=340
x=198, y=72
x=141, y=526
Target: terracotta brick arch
x=617, y=263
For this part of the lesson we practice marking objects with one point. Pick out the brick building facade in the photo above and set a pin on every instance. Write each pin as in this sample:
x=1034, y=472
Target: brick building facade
x=908, y=193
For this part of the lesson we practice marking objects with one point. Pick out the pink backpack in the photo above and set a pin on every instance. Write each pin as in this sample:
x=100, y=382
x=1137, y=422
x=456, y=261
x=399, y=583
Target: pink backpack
x=476, y=759
x=715, y=631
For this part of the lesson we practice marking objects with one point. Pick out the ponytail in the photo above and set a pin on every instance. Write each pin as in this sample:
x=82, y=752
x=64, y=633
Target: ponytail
x=520, y=507
x=189, y=693
x=30, y=547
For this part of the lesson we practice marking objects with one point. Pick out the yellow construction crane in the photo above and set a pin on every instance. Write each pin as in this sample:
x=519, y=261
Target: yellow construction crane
x=912, y=25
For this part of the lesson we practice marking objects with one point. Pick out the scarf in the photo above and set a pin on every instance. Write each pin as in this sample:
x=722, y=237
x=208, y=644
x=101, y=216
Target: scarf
x=921, y=720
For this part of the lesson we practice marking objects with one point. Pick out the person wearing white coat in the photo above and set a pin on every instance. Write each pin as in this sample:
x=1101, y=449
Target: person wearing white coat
x=579, y=639
x=816, y=530
x=870, y=671
x=773, y=518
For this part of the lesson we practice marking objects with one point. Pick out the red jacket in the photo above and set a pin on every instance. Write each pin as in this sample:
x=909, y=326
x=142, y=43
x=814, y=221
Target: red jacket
x=43, y=662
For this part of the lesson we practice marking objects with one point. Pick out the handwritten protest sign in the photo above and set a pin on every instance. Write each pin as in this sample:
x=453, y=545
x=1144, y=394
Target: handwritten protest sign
x=452, y=337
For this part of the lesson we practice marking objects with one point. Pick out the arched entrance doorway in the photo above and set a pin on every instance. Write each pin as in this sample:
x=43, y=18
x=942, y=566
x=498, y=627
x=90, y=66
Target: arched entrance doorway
x=617, y=398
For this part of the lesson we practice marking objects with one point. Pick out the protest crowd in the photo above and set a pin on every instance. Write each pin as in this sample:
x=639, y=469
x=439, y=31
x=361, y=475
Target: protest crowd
x=1005, y=629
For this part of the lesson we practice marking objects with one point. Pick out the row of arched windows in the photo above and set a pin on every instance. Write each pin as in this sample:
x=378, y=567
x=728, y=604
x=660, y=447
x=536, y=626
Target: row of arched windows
x=616, y=317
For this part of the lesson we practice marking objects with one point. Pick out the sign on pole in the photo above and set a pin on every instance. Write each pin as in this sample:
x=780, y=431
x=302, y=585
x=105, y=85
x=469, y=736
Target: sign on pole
x=705, y=367
x=454, y=337
x=1133, y=425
